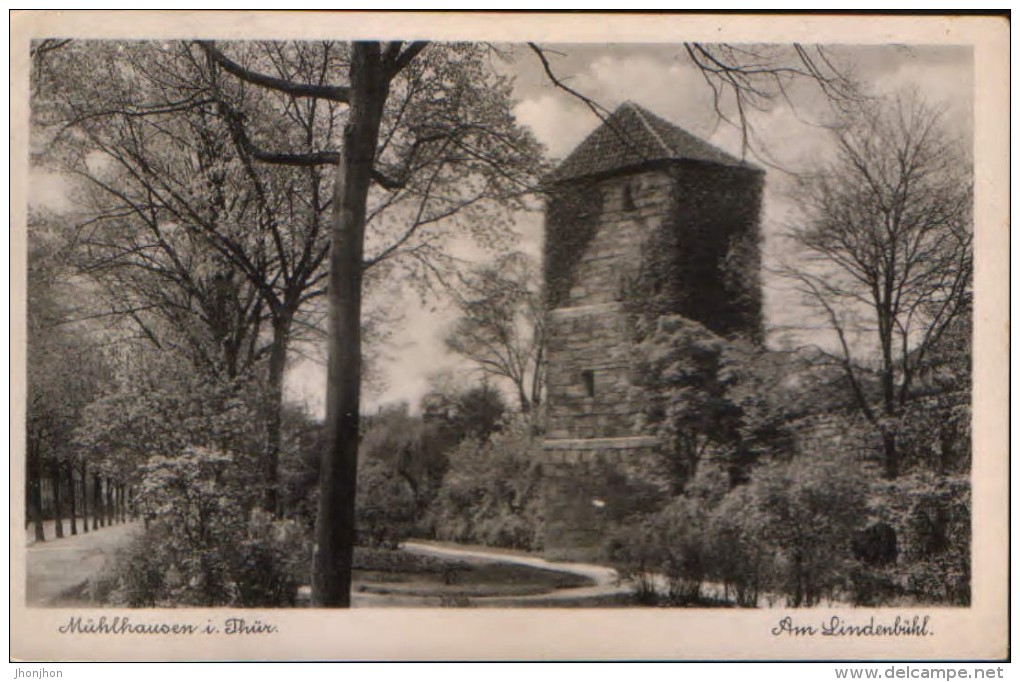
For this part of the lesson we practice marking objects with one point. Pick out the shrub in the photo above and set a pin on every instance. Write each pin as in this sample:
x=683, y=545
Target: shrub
x=490, y=493
x=932, y=518
x=664, y=553
x=203, y=548
x=738, y=556
x=386, y=506
x=806, y=512
x=274, y=560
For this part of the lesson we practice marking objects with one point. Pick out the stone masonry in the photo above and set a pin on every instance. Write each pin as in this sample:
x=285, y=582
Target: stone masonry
x=637, y=208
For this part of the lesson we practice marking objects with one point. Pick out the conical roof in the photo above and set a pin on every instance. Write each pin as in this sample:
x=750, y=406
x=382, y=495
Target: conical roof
x=633, y=136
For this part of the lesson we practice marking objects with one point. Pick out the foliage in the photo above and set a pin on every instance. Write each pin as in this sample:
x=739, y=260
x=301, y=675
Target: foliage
x=458, y=412
x=160, y=410
x=806, y=511
x=786, y=532
x=501, y=325
x=704, y=397
x=668, y=546
x=386, y=506
x=738, y=555
x=410, y=448
x=490, y=494
x=932, y=516
x=202, y=547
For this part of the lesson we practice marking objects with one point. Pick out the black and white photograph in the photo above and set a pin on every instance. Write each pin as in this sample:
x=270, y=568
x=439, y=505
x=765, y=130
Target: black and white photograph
x=678, y=326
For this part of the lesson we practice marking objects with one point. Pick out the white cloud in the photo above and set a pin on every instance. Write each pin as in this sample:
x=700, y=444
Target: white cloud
x=48, y=190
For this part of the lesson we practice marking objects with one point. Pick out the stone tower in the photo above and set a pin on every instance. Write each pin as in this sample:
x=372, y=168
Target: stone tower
x=642, y=218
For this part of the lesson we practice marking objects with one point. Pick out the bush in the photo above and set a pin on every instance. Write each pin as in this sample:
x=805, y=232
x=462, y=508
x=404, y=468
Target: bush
x=806, y=511
x=387, y=509
x=932, y=518
x=203, y=548
x=664, y=553
x=490, y=493
x=738, y=555
x=787, y=532
x=274, y=561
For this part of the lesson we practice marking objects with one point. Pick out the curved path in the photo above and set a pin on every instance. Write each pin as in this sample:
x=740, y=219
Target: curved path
x=607, y=581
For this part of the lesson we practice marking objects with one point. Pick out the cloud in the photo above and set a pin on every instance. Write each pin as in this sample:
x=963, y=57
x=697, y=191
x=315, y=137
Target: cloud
x=670, y=88
x=48, y=191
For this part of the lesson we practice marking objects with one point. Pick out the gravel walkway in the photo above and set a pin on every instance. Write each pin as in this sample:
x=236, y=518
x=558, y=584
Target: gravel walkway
x=607, y=581
x=55, y=567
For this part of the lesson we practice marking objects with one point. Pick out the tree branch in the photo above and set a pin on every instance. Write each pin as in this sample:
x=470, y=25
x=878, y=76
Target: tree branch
x=330, y=92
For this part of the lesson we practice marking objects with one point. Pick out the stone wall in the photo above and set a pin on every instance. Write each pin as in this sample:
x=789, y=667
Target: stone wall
x=589, y=485
x=658, y=240
x=591, y=339
x=589, y=331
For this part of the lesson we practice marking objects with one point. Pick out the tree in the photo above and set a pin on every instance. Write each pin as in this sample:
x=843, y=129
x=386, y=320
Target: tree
x=490, y=493
x=410, y=448
x=196, y=246
x=466, y=134
x=66, y=370
x=805, y=512
x=501, y=328
x=885, y=251
x=707, y=398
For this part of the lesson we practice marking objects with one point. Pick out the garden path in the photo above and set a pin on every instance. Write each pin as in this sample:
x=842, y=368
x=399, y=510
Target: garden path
x=55, y=567
x=607, y=581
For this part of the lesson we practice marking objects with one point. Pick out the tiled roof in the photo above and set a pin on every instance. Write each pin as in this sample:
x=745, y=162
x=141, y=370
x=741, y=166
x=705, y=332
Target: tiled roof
x=633, y=136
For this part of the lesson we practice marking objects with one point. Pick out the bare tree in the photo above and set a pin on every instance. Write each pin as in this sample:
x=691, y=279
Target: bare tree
x=501, y=327
x=885, y=251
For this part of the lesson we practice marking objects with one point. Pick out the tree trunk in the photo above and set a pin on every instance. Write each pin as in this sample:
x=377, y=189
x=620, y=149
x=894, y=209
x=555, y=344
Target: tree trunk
x=110, y=519
x=274, y=405
x=522, y=397
x=72, y=497
x=97, y=501
x=84, y=498
x=891, y=454
x=35, y=494
x=335, y=523
x=58, y=506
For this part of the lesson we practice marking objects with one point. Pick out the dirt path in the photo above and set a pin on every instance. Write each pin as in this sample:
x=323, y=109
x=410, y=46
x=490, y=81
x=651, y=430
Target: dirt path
x=56, y=566
x=607, y=581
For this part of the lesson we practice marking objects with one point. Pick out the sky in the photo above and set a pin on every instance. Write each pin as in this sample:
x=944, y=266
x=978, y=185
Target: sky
x=661, y=78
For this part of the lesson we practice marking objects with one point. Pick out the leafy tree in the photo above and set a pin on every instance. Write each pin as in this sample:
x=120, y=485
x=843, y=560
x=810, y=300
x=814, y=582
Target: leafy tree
x=410, y=448
x=66, y=369
x=162, y=410
x=501, y=328
x=387, y=504
x=204, y=548
x=885, y=251
x=197, y=247
x=706, y=398
x=419, y=118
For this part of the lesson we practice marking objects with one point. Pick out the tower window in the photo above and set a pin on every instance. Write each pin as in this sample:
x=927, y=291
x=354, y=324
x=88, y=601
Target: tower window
x=588, y=377
x=628, y=198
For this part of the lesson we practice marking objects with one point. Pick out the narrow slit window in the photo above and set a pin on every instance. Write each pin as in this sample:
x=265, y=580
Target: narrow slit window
x=628, y=198
x=588, y=378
